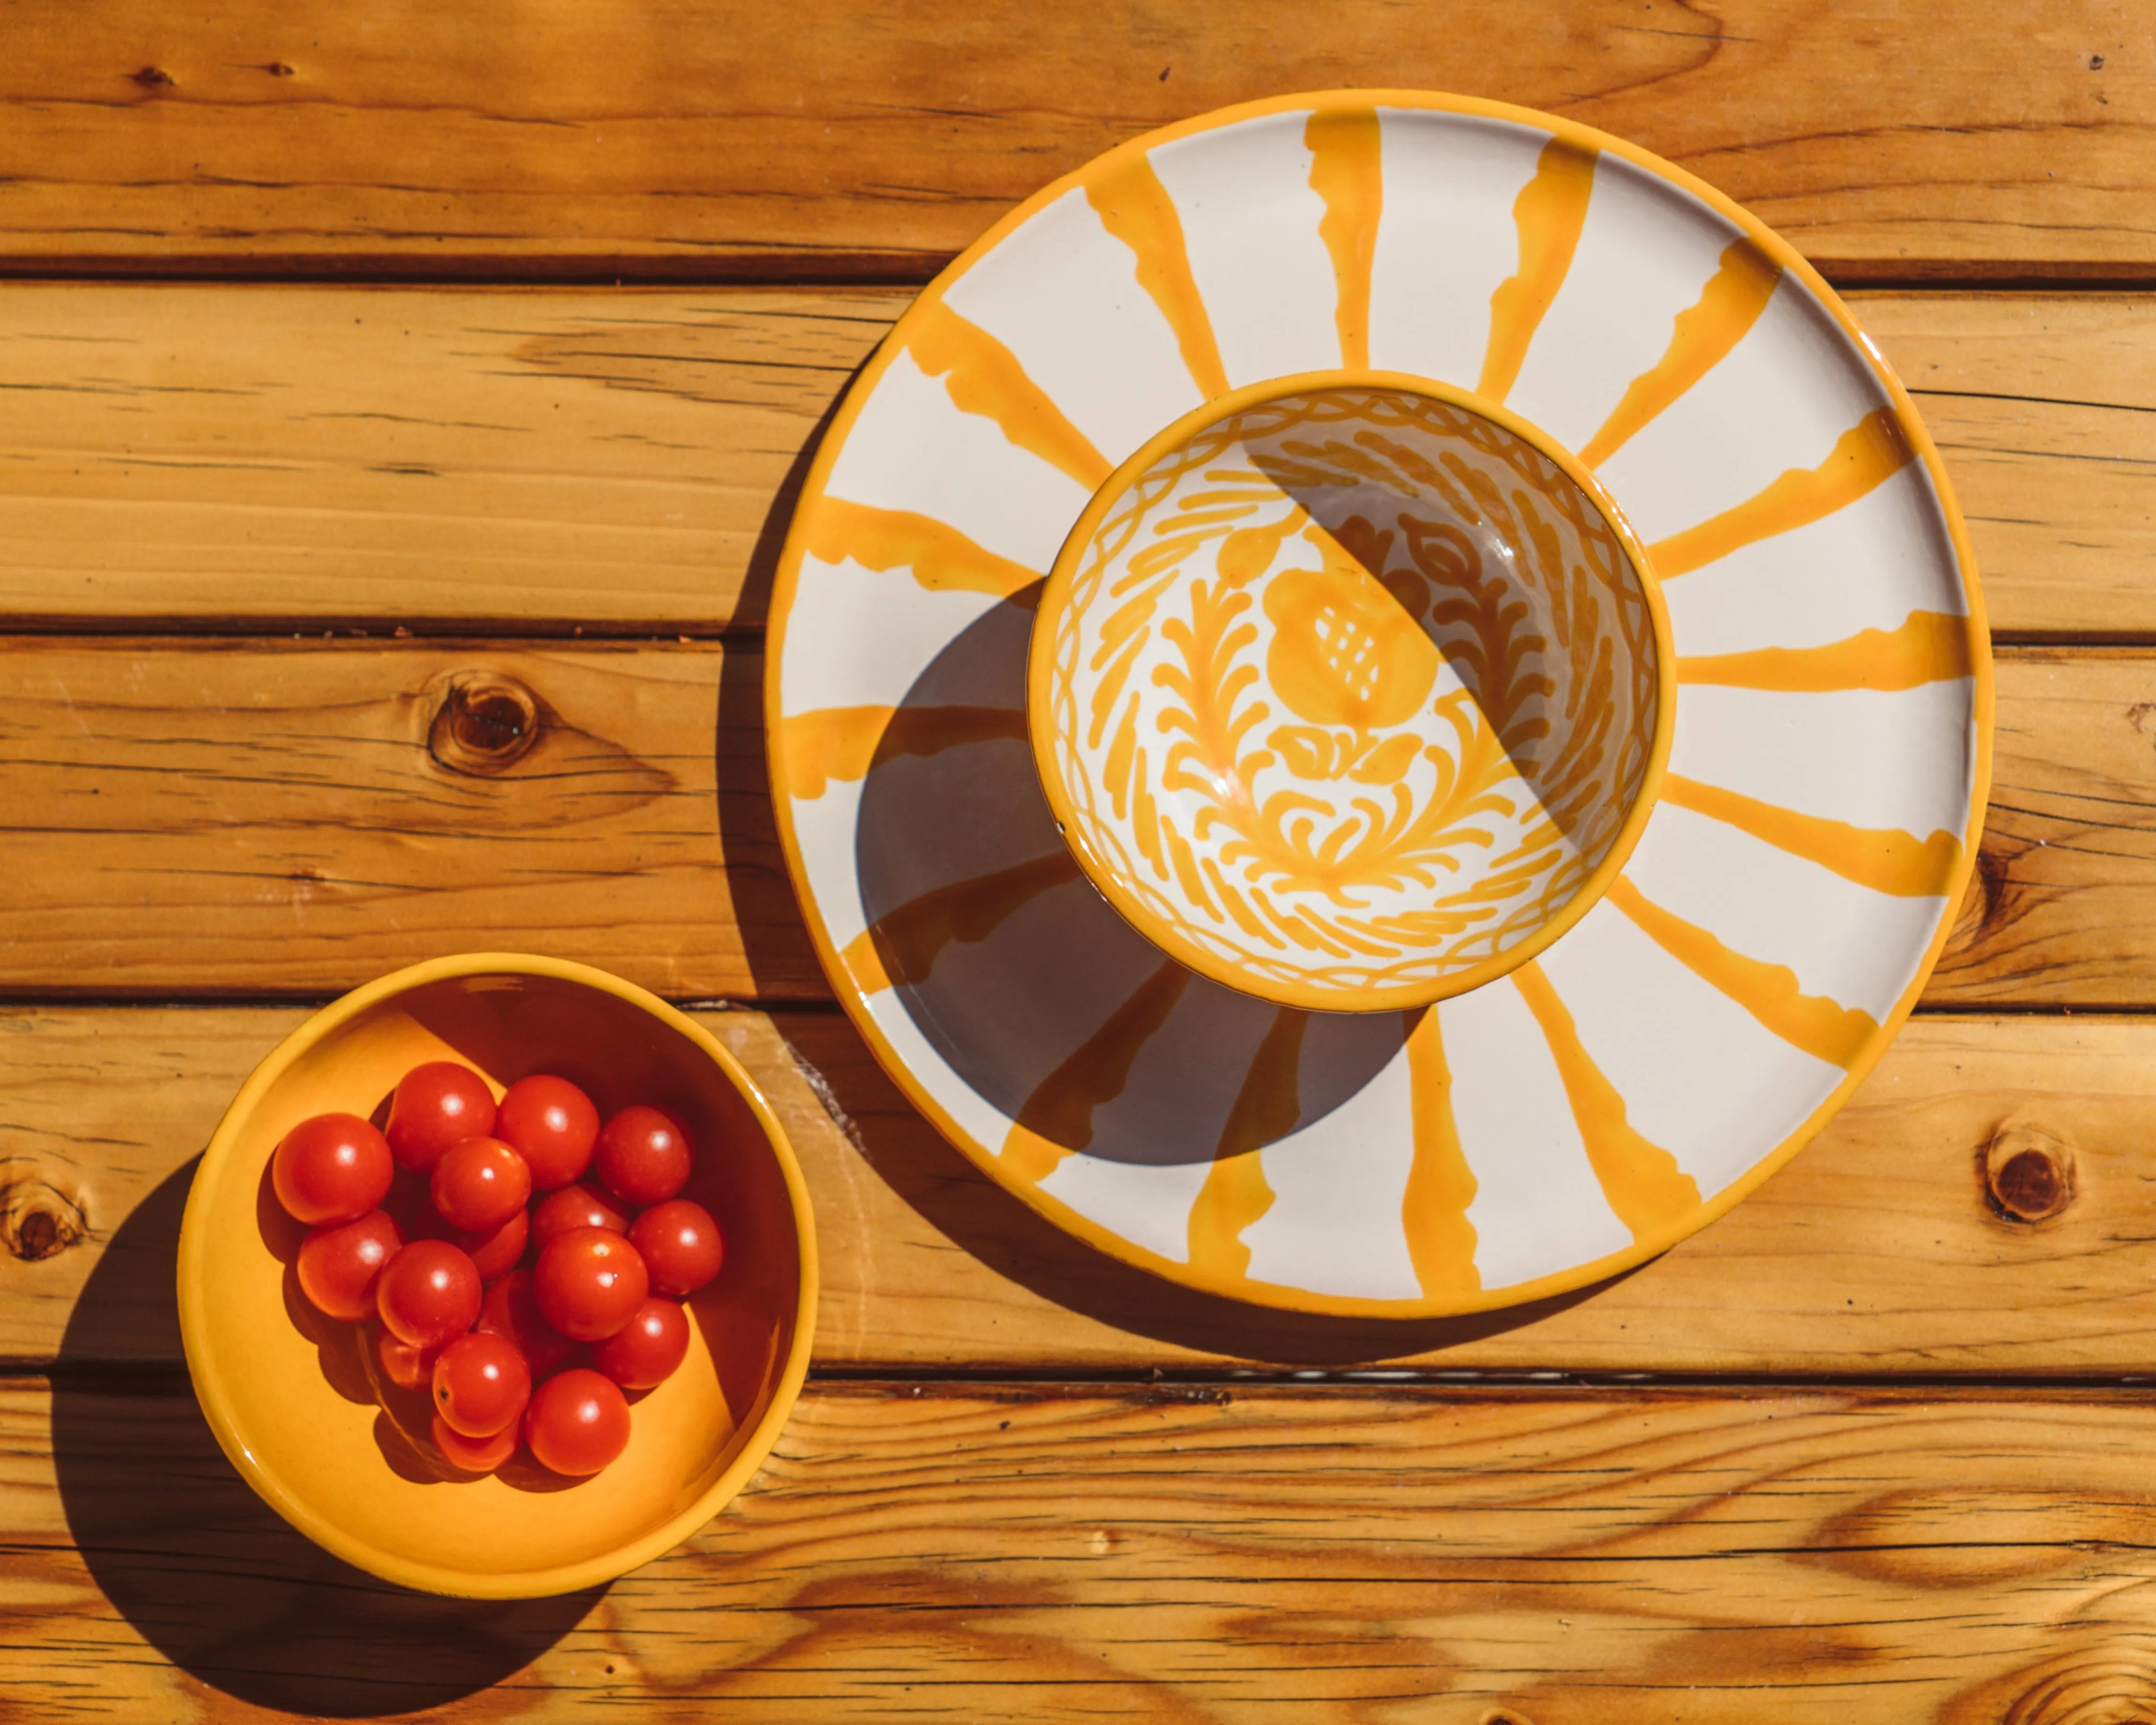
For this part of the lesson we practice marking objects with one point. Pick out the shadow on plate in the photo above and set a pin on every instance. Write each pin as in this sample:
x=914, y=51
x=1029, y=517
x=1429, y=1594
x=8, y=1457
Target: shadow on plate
x=1049, y=1004
x=205, y=1571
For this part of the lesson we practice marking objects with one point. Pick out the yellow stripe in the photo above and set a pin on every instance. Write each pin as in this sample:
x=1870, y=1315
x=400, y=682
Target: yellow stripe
x=1930, y=647
x=1870, y=452
x=1235, y=1194
x=1135, y=207
x=1886, y=860
x=1641, y=1180
x=1440, y=1185
x=1728, y=305
x=1548, y=213
x=942, y=558
x=1344, y=172
x=986, y=378
x=1058, y=1117
x=1824, y=1029
x=844, y=742
x=902, y=946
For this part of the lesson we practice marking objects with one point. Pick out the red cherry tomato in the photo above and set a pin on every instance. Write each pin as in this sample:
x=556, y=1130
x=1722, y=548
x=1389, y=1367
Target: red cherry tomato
x=475, y=1455
x=552, y=1125
x=646, y=1349
x=405, y=1366
x=335, y=1168
x=479, y=1183
x=589, y=1282
x=642, y=1155
x=481, y=1384
x=579, y=1206
x=340, y=1262
x=679, y=1245
x=510, y=1309
x=577, y=1423
x=494, y=1251
x=428, y=1293
x=436, y=1105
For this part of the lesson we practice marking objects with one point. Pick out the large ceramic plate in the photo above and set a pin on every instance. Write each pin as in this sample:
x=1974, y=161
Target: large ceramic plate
x=1794, y=882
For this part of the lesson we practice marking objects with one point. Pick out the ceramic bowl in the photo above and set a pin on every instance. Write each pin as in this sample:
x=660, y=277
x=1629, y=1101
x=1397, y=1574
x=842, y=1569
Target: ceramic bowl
x=289, y=1393
x=1346, y=692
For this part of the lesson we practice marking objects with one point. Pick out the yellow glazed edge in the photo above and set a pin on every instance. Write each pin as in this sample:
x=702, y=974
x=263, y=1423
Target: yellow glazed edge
x=1056, y=596
x=1113, y=1244
x=429, y=1577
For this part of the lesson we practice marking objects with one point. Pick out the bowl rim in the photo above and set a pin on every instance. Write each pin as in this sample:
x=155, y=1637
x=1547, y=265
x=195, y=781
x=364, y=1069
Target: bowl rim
x=433, y=1578
x=1109, y=881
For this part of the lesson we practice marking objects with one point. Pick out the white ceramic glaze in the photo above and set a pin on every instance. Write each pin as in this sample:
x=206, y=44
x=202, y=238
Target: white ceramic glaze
x=1347, y=693
x=1830, y=685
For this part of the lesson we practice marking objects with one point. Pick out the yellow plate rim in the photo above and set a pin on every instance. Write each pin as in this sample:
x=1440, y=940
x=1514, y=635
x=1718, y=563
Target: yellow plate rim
x=1271, y=1294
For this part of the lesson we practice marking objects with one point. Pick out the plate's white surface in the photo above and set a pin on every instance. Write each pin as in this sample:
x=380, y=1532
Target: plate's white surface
x=1791, y=890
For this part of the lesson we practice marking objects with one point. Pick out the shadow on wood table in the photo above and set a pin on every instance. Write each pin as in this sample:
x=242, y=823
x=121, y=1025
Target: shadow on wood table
x=209, y=1574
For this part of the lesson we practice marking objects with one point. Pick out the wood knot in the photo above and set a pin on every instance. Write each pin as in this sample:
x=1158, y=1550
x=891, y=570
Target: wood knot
x=486, y=723
x=152, y=77
x=2028, y=1174
x=37, y=1222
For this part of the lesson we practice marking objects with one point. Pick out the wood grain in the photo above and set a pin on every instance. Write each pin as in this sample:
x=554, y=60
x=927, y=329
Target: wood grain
x=267, y=818
x=543, y=462
x=1183, y=1554
x=855, y=138
x=293, y=457
x=1888, y=1247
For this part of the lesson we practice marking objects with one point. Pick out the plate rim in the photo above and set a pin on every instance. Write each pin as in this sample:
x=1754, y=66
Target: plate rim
x=1275, y=1295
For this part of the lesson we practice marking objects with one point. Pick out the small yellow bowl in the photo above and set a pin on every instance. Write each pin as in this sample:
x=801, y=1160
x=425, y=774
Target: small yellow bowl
x=288, y=1393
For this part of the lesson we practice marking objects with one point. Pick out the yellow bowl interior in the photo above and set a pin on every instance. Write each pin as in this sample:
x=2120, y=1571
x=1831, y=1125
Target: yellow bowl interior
x=289, y=1393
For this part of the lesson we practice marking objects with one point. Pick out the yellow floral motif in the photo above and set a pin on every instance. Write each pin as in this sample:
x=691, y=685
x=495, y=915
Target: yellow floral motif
x=1270, y=750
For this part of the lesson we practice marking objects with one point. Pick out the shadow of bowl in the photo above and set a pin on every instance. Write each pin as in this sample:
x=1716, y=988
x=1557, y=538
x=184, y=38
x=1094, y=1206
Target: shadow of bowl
x=205, y=1571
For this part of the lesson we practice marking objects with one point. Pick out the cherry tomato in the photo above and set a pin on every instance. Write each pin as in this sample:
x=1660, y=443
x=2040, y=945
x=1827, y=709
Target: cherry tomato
x=679, y=1245
x=481, y=1384
x=479, y=1183
x=436, y=1105
x=335, y=1168
x=340, y=1262
x=510, y=1309
x=475, y=1455
x=589, y=1282
x=428, y=1293
x=405, y=1366
x=578, y=1206
x=577, y=1423
x=552, y=1125
x=494, y=1251
x=646, y=1349
x=642, y=1155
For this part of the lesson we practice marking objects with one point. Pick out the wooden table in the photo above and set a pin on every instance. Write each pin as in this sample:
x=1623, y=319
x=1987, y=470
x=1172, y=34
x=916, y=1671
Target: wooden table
x=400, y=407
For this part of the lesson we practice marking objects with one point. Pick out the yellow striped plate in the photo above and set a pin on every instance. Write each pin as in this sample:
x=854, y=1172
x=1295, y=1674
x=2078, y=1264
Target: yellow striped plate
x=1794, y=884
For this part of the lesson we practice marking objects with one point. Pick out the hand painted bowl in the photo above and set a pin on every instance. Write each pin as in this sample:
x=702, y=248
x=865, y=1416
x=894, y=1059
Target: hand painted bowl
x=289, y=1393
x=1345, y=690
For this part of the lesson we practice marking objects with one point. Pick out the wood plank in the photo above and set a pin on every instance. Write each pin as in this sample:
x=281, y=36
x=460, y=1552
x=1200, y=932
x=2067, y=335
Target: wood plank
x=1887, y=1247
x=287, y=817
x=261, y=817
x=1184, y=1554
x=295, y=457
x=853, y=137
x=541, y=462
